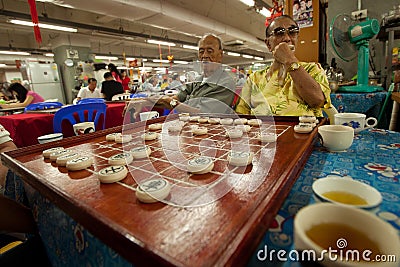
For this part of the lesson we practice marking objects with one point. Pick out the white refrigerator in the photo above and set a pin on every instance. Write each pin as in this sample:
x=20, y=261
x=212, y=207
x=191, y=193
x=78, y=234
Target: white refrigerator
x=44, y=79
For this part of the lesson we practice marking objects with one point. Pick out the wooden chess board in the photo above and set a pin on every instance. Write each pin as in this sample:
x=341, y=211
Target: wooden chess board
x=217, y=218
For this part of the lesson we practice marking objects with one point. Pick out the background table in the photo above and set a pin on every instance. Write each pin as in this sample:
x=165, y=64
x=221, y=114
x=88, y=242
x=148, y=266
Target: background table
x=369, y=104
x=25, y=128
x=359, y=102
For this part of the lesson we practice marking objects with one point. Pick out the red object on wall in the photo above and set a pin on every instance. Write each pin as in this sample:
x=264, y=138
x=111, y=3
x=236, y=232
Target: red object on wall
x=35, y=20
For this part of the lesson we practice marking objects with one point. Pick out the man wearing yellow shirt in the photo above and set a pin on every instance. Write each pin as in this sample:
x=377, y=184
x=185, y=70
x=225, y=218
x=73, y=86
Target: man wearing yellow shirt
x=288, y=87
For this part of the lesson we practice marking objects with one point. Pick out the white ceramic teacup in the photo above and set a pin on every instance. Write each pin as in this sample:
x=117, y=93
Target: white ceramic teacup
x=50, y=138
x=144, y=116
x=84, y=127
x=346, y=191
x=340, y=226
x=358, y=121
x=336, y=137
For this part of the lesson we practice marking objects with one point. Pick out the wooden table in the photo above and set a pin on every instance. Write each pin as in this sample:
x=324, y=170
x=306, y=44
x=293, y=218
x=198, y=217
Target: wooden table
x=223, y=232
x=25, y=128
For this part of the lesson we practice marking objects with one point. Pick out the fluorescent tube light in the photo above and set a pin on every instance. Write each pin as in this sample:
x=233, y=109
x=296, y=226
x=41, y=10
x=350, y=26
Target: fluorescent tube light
x=151, y=41
x=248, y=2
x=233, y=54
x=49, y=55
x=2, y=65
x=247, y=56
x=258, y=58
x=160, y=61
x=190, y=47
x=15, y=53
x=43, y=25
x=265, y=12
x=181, y=62
x=106, y=57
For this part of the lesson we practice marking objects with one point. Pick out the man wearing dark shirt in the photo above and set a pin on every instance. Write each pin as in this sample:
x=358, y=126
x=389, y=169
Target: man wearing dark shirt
x=110, y=87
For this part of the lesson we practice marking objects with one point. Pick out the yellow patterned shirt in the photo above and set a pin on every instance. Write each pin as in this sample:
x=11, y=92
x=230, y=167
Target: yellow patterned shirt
x=262, y=97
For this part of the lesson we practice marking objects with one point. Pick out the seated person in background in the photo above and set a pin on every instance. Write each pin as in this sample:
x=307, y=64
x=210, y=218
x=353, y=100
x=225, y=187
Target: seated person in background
x=110, y=87
x=115, y=72
x=23, y=96
x=125, y=80
x=150, y=85
x=90, y=91
x=176, y=83
x=241, y=81
x=288, y=87
x=212, y=92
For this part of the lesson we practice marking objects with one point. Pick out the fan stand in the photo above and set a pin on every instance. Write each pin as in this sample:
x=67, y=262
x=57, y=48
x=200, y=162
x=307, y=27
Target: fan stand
x=362, y=72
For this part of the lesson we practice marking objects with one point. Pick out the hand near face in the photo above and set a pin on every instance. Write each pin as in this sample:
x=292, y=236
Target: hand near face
x=284, y=53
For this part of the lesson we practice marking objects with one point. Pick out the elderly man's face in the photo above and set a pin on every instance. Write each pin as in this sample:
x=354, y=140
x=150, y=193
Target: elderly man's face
x=92, y=85
x=209, y=50
x=282, y=30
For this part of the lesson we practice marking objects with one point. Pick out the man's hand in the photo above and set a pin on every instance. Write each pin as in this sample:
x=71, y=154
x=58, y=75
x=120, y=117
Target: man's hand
x=161, y=101
x=284, y=54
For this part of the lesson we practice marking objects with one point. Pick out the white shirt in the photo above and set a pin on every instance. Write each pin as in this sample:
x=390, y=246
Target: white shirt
x=86, y=93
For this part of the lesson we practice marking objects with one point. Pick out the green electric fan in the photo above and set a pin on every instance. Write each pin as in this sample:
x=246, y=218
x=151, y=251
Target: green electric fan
x=349, y=39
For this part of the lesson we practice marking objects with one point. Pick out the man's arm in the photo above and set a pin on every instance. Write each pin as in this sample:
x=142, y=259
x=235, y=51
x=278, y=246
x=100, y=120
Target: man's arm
x=307, y=88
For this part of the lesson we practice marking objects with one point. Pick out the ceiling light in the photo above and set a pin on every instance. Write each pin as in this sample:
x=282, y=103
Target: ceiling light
x=151, y=41
x=15, y=53
x=247, y=56
x=3, y=65
x=160, y=61
x=181, y=62
x=190, y=47
x=265, y=12
x=106, y=57
x=258, y=58
x=43, y=25
x=130, y=58
x=248, y=2
x=233, y=54
x=49, y=55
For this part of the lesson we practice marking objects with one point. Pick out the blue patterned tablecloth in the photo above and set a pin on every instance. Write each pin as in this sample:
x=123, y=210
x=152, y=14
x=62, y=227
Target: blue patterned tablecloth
x=373, y=158
x=359, y=102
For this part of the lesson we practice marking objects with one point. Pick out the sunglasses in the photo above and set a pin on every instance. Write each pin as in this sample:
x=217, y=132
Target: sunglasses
x=280, y=31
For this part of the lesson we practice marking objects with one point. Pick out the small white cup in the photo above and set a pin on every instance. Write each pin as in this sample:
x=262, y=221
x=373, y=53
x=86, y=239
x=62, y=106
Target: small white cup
x=368, y=224
x=50, y=138
x=358, y=121
x=144, y=116
x=336, y=137
x=84, y=127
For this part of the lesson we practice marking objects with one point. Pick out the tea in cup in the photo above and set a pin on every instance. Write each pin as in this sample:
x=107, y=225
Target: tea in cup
x=144, y=116
x=336, y=137
x=346, y=191
x=84, y=127
x=337, y=235
x=358, y=121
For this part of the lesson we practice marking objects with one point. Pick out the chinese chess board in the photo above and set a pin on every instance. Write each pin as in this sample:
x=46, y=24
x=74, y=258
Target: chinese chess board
x=239, y=196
